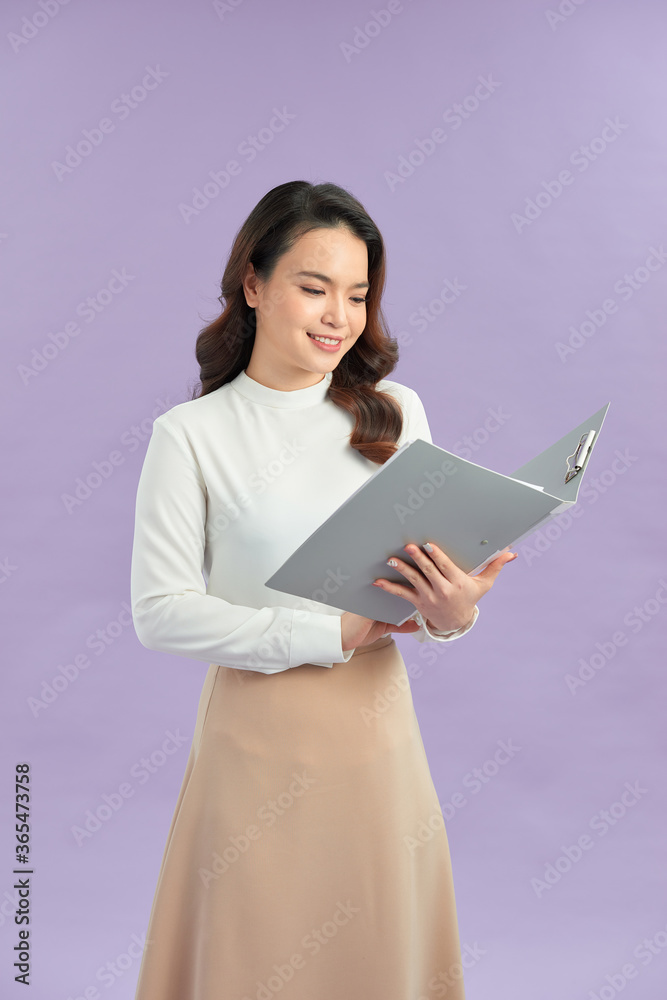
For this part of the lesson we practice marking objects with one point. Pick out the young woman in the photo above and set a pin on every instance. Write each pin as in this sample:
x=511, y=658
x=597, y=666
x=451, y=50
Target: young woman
x=296, y=863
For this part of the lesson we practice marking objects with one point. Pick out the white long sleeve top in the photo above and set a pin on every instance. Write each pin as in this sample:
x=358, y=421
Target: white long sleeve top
x=232, y=483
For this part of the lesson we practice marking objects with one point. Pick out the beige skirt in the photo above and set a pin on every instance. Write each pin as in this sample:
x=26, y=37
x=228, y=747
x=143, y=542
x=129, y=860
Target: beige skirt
x=307, y=857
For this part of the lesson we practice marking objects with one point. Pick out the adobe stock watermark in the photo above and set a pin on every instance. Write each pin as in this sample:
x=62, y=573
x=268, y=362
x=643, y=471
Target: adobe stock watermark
x=601, y=823
x=390, y=693
x=439, y=984
x=591, y=491
x=635, y=620
x=34, y=23
x=645, y=950
x=450, y=291
x=332, y=581
x=222, y=515
x=581, y=158
x=268, y=813
x=223, y=7
x=454, y=116
x=564, y=11
x=67, y=673
x=113, y=969
x=10, y=904
x=474, y=781
x=103, y=469
x=88, y=309
x=312, y=942
x=277, y=643
x=248, y=149
x=122, y=107
x=113, y=801
x=7, y=569
x=364, y=34
x=429, y=651
x=415, y=498
x=625, y=287
x=471, y=443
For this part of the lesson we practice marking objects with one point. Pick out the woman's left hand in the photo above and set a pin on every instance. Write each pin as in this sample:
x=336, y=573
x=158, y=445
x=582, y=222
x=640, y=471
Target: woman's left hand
x=445, y=595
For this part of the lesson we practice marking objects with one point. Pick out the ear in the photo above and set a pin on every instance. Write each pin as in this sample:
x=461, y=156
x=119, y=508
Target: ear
x=250, y=281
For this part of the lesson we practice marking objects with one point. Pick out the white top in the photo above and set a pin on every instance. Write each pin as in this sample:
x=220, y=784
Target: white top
x=232, y=483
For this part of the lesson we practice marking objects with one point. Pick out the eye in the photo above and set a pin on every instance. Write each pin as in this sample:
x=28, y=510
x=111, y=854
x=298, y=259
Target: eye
x=320, y=291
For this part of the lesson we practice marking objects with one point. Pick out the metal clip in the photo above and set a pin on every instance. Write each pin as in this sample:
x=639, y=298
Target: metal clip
x=578, y=459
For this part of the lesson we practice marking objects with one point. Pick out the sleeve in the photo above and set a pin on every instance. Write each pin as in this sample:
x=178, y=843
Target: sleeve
x=171, y=610
x=415, y=425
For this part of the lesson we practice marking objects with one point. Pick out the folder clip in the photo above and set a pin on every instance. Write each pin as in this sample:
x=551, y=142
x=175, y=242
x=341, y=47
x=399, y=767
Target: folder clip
x=579, y=457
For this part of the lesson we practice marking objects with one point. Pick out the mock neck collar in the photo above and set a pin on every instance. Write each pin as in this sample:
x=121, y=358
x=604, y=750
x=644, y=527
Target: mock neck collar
x=256, y=392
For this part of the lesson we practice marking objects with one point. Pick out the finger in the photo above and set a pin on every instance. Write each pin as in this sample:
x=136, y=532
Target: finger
x=409, y=626
x=397, y=588
x=490, y=572
x=414, y=575
x=438, y=557
x=409, y=593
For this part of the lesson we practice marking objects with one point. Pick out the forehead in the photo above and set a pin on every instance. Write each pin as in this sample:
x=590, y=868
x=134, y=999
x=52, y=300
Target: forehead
x=330, y=255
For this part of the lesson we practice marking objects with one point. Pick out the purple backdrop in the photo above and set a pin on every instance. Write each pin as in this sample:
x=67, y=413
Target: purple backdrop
x=513, y=156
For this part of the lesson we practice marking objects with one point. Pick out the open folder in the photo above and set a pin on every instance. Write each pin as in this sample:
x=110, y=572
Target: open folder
x=424, y=493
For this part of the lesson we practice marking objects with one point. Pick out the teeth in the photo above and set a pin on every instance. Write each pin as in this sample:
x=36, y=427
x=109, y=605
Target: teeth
x=323, y=340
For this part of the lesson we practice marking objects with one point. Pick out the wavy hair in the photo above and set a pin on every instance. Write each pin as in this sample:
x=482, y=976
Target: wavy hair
x=223, y=347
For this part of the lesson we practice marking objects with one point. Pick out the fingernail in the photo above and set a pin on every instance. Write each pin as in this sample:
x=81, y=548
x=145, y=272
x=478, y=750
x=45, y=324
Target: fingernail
x=428, y=546
x=391, y=562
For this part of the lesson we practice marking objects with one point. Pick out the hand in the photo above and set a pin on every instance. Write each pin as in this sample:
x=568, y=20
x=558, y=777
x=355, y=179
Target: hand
x=445, y=595
x=359, y=631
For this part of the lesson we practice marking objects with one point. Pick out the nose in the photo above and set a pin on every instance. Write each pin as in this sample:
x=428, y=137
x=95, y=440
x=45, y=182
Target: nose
x=335, y=314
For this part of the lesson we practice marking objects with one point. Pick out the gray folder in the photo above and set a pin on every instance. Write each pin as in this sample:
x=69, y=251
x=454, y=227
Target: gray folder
x=425, y=493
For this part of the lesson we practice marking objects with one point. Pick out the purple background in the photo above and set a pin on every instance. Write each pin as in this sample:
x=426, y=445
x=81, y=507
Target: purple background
x=556, y=80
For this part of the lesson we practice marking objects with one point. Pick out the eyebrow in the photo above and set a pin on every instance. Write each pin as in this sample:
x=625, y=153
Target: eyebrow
x=327, y=279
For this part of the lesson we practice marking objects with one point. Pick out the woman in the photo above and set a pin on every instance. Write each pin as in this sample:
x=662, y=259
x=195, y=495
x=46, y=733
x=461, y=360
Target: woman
x=294, y=864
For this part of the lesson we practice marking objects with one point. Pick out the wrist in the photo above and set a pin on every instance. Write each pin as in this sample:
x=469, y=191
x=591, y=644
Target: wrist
x=448, y=631
x=447, y=636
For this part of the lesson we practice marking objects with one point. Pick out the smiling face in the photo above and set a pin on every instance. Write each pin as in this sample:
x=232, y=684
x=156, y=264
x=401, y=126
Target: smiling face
x=318, y=289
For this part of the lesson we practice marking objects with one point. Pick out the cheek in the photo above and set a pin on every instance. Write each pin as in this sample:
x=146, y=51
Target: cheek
x=301, y=314
x=290, y=323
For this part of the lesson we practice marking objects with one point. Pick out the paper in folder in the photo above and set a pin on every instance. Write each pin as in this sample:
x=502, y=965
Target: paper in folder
x=425, y=493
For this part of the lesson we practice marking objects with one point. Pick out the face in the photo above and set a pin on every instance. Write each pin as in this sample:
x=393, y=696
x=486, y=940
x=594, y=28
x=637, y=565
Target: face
x=328, y=302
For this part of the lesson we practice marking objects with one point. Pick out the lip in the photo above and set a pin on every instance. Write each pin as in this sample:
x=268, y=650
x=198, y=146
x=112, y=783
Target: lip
x=326, y=347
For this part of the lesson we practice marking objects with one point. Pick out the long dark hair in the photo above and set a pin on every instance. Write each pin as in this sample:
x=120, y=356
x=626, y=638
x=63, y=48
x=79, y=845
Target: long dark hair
x=223, y=347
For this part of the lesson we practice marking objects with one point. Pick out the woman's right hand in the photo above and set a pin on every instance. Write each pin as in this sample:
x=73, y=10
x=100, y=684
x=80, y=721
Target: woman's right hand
x=359, y=631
